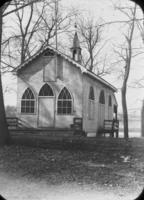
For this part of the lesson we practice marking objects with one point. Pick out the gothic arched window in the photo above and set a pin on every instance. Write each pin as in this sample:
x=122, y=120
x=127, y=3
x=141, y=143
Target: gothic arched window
x=28, y=102
x=110, y=101
x=91, y=93
x=102, y=97
x=46, y=90
x=91, y=103
x=64, y=103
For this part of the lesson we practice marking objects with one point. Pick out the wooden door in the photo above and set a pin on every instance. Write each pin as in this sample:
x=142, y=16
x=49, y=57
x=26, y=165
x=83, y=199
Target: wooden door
x=46, y=112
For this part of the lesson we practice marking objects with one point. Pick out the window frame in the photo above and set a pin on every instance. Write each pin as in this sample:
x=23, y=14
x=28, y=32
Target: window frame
x=49, y=87
x=91, y=93
x=110, y=101
x=30, y=100
x=102, y=97
x=67, y=100
x=91, y=103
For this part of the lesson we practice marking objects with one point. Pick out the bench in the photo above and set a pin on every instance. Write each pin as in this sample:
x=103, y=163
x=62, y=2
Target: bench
x=110, y=127
x=12, y=122
x=77, y=126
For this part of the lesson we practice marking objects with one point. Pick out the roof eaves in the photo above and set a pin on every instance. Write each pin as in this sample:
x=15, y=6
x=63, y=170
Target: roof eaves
x=29, y=60
x=102, y=81
x=82, y=69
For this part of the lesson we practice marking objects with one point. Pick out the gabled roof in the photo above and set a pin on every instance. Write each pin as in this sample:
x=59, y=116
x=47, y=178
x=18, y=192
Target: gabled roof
x=82, y=68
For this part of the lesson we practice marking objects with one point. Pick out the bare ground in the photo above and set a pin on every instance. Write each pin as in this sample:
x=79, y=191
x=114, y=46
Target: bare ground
x=50, y=174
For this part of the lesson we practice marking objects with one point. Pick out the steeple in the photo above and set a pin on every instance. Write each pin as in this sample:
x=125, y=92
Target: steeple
x=76, y=49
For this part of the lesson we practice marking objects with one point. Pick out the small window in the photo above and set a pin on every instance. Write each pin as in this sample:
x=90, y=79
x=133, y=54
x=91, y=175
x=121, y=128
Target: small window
x=110, y=101
x=102, y=97
x=46, y=90
x=64, y=104
x=48, y=53
x=28, y=102
x=91, y=93
x=91, y=104
x=74, y=54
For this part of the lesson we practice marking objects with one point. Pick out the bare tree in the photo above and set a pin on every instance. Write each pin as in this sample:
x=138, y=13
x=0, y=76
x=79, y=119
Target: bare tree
x=91, y=36
x=125, y=54
x=27, y=31
x=90, y=33
x=35, y=27
x=21, y=35
x=55, y=23
x=4, y=133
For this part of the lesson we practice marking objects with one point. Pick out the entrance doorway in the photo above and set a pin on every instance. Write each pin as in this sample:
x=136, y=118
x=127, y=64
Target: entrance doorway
x=46, y=107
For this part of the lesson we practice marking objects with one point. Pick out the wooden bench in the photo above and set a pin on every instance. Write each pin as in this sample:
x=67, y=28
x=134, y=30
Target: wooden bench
x=110, y=127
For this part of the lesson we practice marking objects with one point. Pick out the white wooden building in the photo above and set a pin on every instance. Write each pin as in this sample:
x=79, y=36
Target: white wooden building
x=53, y=89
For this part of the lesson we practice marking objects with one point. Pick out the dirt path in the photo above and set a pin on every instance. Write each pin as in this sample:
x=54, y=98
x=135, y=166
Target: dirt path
x=13, y=188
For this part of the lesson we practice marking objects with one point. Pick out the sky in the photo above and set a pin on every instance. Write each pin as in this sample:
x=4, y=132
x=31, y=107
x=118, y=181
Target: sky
x=98, y=9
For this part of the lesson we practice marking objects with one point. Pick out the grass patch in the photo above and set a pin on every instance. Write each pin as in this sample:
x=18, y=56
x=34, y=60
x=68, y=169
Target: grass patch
x=108, y=169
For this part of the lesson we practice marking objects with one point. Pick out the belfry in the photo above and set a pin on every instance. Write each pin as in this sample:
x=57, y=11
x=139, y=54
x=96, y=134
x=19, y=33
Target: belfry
x=76, y=49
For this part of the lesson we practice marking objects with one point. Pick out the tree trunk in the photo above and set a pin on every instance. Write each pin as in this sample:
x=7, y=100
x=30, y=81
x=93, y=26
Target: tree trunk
x=91, y=59
x=125, y=112
x=23, y=50
x=4, y=133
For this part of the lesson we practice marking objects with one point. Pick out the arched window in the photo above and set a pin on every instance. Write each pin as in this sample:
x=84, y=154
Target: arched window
x=64, y=104
x=110, y=101
x=46, y=90
x=91, y=104
x=48, y=53
x=91, y=93
x=102, y=97
x=28, y=102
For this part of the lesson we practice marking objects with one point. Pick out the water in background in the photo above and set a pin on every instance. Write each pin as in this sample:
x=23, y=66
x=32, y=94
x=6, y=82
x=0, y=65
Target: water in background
x=131, y=134
x=134, y=126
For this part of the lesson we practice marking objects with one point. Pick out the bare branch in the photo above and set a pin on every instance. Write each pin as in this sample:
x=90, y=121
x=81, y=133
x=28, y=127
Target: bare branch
x=20, y=7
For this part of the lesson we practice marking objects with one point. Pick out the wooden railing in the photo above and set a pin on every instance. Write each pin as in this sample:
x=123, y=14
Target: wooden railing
x=13, y=122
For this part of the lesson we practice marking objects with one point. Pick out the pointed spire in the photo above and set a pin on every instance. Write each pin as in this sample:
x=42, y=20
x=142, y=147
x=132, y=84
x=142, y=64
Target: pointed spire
x=76, y=49
x=76, y=43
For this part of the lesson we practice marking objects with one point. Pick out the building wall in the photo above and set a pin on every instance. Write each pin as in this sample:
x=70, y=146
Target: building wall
x=78, y=84
x=32, y=76
x=101, y=111
x=72, y=79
